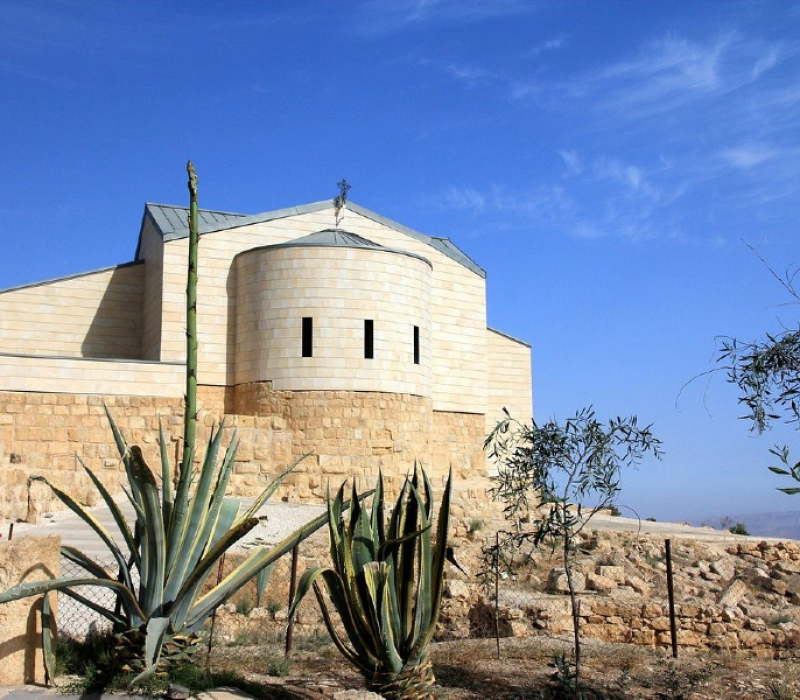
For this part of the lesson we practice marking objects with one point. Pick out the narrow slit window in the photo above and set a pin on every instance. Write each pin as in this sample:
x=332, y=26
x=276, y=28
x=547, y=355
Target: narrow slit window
x=369, y=342
x=308, y=336
x=416, y=345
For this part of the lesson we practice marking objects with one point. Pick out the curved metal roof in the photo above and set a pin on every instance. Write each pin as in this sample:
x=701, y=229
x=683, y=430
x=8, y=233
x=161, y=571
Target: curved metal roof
x=338, y=238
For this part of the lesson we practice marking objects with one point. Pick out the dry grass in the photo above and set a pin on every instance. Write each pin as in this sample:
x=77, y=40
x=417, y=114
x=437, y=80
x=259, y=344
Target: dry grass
x=470, y=670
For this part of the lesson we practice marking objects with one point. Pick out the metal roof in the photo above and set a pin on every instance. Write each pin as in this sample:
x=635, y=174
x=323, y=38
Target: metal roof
x=171, y=222
x=339, y=238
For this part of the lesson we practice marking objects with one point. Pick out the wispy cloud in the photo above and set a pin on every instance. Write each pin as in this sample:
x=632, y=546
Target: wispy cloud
x=572, y=161
x=469, y=75
x=748, y=155
x=384, y=16
x=554, y=44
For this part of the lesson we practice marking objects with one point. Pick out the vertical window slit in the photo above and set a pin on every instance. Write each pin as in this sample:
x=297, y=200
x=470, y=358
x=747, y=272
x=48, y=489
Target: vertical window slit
x=416, y=345
x=308, y=336
x=369, y=344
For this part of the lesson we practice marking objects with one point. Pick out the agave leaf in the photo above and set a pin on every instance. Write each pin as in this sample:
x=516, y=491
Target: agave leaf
x=266, y=494
x=437, y=577
x=198, y=509
x=365, y=662
x=360, y=655
x=124, y=452
x=224, y=523
x=116, y=513
x=31, y=588
x=153, y=554
x=423, y=597
x=92, y=522
x=378, y=524
x=111, y=615
x=156, y=629
x=48, y=648
x=392, y=658
x=262, y=579
x=371, y=594
x=227, y=515
x=199, y=542
x=334, y=526
x=304, y=586
x=407, y=560
x=184, y=599
x=180, y=508
x=249, y=568
x=364, y=550
x=166, y=476
x=79, y=558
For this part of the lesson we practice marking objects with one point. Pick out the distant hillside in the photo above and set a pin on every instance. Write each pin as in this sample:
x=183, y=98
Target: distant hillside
x=783, y=524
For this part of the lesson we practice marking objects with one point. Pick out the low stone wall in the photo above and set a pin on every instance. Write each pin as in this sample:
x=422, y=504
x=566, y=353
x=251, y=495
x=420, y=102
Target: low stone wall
x=21, y=560
x=348, y=435
x=737, y=597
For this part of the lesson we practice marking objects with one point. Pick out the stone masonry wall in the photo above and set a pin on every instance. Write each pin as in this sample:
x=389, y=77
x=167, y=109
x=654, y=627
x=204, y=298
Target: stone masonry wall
x=22, y=560
x=349, y=434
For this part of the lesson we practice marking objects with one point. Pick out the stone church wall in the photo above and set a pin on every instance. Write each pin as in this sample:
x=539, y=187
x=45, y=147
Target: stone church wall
x=348, y=434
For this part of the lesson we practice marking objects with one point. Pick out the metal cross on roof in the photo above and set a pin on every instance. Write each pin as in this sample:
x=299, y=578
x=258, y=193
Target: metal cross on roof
x=340, y=200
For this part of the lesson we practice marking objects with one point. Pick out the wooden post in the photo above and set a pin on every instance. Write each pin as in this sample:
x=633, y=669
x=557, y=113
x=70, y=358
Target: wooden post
x=671, y=594
x=497, y=591
x=214, y=615
x=292, y=590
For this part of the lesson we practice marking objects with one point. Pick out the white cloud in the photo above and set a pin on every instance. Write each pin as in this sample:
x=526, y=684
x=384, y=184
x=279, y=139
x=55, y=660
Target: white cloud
x=748, y=155
x=765, y=62
x=572, y=161
x=381, y=16
x=553, y=44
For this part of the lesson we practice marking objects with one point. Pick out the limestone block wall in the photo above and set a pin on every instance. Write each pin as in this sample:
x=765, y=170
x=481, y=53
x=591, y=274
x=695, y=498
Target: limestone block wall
x=457, y=295
x=349, y=434
x=97, y=314
x=338, y=288
x=90, y=376
x=22, y=560
x=509, y=363
x=46, y=434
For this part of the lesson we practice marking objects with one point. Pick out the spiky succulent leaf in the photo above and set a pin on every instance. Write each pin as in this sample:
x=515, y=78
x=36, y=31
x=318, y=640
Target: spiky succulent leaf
x=115, y=511
x=266, y=494
x=31, y=588
x=385, y=584
x=48, y=647
x=153, y=544
x=166, y=477
x=93, y=523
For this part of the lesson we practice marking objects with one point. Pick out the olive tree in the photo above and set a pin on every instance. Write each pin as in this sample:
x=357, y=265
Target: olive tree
x=547, y=473
x=767, y=374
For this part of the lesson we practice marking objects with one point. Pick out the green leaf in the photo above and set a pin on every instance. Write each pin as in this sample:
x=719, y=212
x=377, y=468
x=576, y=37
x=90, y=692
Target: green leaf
x=48, y=648
x=156, y=629
x=94, y=523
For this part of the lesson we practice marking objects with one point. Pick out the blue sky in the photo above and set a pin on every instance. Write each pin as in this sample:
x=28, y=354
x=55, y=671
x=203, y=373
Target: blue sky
x=605, y=162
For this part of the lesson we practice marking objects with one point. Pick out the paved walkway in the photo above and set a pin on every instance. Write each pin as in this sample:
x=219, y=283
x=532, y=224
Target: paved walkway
x=35, y=692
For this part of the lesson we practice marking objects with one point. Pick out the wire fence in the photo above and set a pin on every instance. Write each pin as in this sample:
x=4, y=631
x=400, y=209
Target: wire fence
x=252, y=617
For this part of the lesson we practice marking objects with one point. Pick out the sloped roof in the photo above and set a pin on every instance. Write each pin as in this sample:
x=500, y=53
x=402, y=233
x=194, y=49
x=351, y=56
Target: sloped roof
x=171, y=222
x=339, y=238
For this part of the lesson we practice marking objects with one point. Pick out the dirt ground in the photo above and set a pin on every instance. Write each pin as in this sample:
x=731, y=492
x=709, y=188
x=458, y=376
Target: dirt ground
x=470, y=670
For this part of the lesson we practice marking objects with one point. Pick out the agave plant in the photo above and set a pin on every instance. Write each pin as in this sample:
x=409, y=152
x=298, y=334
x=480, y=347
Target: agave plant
x=385, y=585
x=166, y=557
